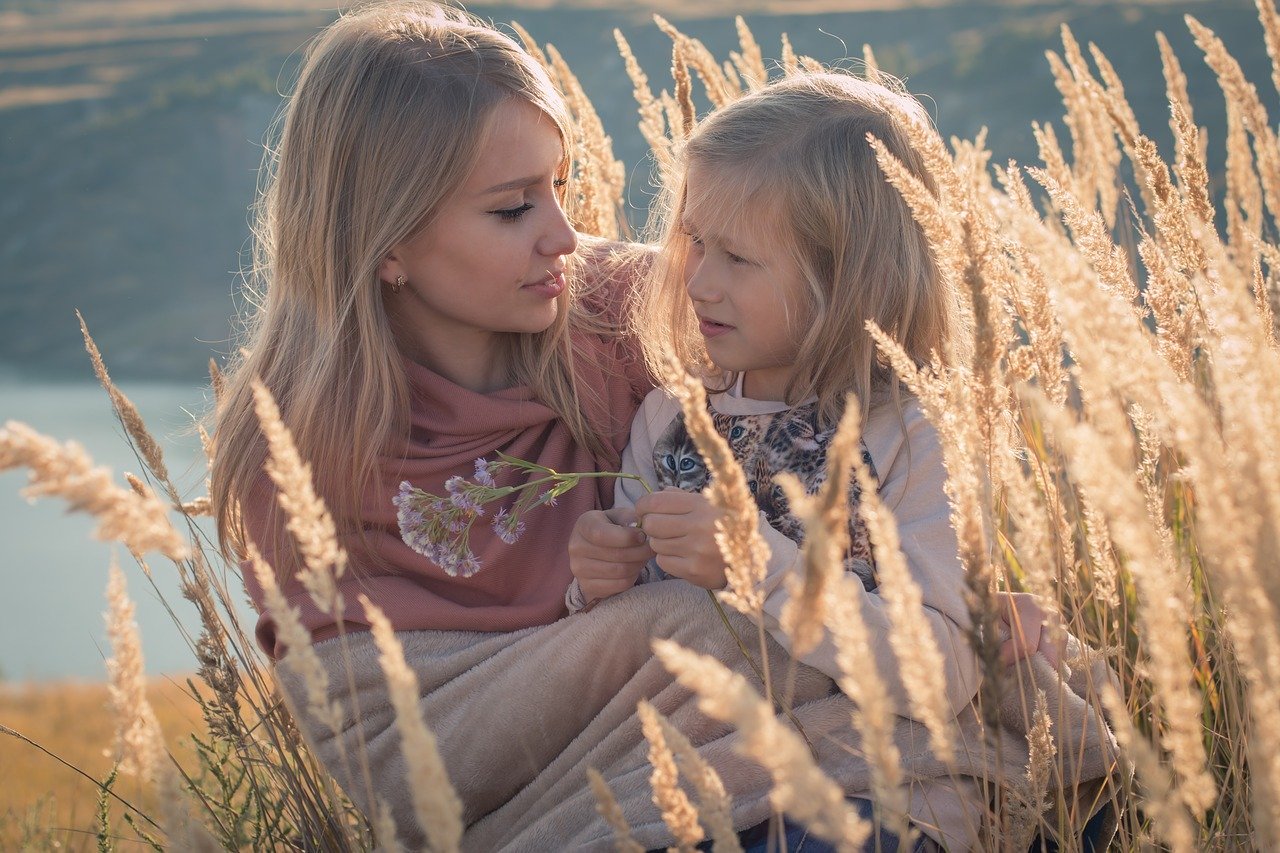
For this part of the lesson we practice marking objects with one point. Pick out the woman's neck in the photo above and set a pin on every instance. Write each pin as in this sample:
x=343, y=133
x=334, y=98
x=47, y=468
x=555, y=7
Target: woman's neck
x=476, y=362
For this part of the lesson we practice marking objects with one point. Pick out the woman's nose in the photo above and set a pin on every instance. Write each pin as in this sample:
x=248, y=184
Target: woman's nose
x=559, y=238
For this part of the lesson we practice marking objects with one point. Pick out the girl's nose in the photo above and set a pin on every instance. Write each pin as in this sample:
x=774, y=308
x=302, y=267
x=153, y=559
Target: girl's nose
x=559, y=238
x=698, y=284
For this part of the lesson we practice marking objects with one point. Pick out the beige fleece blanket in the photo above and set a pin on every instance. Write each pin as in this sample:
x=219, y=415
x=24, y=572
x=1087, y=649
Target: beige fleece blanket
x=521, y=716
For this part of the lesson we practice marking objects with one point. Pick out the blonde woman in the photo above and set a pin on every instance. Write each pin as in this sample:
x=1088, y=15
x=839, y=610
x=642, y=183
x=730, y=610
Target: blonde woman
x=419, y=300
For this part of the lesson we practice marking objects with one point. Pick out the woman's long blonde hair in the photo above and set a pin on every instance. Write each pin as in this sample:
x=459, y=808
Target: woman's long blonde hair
x=791, y=163
x=391, y=106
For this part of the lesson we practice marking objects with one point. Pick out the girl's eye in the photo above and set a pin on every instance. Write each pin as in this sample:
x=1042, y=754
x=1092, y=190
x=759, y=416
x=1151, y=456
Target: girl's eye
x=737, y=259
x=511, y=214
x=695, y=240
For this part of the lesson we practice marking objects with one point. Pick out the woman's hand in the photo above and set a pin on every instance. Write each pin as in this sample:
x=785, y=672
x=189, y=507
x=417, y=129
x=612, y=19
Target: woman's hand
x=681, y=528
x=1027, y=628
x=606, y=554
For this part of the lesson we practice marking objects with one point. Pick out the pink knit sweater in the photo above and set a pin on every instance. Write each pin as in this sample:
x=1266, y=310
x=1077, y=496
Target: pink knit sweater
x=520, y=585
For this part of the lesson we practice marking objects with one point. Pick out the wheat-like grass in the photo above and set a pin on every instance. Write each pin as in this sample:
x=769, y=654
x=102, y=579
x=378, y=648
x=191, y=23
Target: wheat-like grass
x=435, y=804
x=608, y=808
x=313, y=529
x=140, y=521
x=678, y=811
x=800, y=787
x=715, y=804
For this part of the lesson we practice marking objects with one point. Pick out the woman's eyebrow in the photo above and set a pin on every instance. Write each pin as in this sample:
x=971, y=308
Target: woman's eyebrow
x=517, y=184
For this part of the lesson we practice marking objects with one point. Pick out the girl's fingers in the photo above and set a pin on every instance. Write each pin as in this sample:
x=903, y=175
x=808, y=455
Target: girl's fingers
x=603, y=533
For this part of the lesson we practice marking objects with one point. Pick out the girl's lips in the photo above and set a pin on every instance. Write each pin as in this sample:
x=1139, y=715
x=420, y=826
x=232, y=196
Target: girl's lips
x=549, y=287
x=711, y=329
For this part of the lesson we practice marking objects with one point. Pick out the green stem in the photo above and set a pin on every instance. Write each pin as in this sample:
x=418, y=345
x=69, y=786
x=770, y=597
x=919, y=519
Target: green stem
x=724, y=617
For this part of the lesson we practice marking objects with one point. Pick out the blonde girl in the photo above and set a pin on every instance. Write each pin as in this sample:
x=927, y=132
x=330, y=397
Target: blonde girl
x=782, y=241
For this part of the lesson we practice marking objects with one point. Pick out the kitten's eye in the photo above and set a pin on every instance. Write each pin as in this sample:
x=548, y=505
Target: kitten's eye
x=751, y=484
x=737, y=432
x=669, y=462
x=687, y=464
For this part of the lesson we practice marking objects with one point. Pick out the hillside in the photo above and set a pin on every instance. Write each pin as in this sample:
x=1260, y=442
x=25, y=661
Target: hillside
x=131, y=131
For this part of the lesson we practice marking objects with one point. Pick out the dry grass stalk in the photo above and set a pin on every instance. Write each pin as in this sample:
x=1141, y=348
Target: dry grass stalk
x=914, y=645
x=1027, y=801
x=1271, y=31
x=1244, y=95
x=601, y=178
x=126, y=411
x=750, y=62
x=790, y=62
x=653, y=126
x=1092, y=236
x=532, y=47
x=436, y=805
x=1243, y=200
x=1175, y=81
x=608, y=808
x=309, y=520
x=139, y=740
x=678, y=812
x=1192, y=172
x=1170, y=298
x=384, y=830
x=737, y=533
x=1032, y=535
x=715, y=804
x=800, y=787
x=217, y=381
x=1262, y=299
x=1098, y=460
x=141, y=522
x=1169, y=817
x=296, y=639
x=870, y=67
x=825, y=516
x=684, y=91
x=139, y=744
x=721, y=88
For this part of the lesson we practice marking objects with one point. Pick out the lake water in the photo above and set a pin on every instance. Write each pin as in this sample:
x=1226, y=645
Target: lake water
x=53, y=573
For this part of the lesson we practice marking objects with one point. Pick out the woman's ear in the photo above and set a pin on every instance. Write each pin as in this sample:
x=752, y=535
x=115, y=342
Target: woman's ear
x=391, y=268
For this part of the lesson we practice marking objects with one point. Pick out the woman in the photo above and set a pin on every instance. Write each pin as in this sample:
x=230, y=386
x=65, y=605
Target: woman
x=425, y=302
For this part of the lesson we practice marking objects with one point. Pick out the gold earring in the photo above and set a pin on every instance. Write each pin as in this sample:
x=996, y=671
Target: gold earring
x=399, y=285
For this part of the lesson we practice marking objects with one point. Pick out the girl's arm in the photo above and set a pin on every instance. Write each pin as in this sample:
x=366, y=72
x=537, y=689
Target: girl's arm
x=606, y=554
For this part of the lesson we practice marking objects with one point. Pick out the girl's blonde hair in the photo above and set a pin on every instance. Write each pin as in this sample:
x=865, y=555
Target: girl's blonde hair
x=391, y=107
x=790, y=163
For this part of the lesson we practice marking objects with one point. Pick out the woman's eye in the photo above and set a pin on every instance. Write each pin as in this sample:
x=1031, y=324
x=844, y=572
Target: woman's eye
x=560, y=182
x=511, y=214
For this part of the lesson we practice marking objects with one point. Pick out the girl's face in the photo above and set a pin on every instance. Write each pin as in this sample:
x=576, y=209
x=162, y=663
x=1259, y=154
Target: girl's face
x=492, y=261
x=747, y=293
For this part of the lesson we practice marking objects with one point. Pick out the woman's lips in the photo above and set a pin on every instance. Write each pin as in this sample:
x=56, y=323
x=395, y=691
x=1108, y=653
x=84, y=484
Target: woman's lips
x=550, y=287
x=711, y=329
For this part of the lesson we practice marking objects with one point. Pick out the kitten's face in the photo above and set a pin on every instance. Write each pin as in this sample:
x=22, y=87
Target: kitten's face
x=681, y=466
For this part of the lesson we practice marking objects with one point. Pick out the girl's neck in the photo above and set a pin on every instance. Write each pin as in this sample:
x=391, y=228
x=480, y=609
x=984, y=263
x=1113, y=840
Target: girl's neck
x=767, y=384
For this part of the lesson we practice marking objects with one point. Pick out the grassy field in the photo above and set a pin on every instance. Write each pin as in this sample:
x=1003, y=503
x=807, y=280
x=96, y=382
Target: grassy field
x=45, y=805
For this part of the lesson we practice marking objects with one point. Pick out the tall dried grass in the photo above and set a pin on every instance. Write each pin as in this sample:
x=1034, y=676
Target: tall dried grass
x=1109, y=440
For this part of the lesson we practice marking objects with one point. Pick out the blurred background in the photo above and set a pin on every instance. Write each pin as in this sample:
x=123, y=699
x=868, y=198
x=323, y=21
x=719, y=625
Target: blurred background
x=131, y=132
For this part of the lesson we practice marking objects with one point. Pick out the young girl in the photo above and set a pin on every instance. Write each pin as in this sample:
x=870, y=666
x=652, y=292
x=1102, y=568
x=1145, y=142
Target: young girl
x=783, y=241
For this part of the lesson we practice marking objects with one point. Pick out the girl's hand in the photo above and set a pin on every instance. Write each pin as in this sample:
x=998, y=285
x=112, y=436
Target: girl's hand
x=681, y=528
x=606, y=554
x=1027, y=628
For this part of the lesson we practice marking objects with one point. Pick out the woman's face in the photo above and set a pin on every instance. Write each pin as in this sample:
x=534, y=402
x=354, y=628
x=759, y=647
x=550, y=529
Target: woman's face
x=493, y=259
